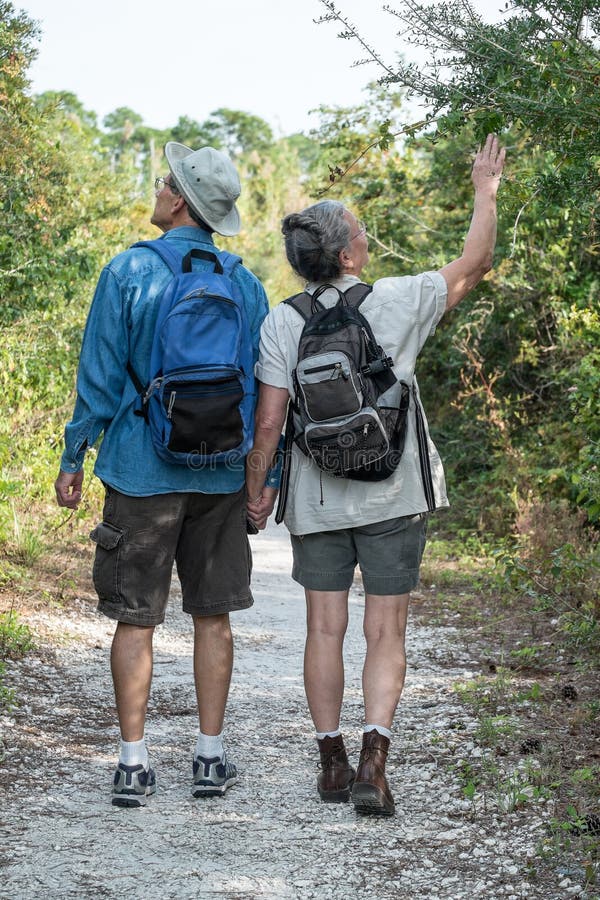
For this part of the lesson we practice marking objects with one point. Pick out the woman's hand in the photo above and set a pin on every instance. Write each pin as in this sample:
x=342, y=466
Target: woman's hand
x=488, y=165
x=464, y=273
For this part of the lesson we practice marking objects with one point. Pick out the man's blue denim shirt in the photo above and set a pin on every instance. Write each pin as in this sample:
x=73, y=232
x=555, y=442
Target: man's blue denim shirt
x=120, y=328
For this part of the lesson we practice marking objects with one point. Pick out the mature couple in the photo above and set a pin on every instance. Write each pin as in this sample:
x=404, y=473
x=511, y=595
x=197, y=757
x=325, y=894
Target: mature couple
x=156, y=513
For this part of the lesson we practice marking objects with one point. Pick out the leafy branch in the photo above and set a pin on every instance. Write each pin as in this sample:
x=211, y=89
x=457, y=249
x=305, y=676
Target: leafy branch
x=536, y=72
x=384, y=140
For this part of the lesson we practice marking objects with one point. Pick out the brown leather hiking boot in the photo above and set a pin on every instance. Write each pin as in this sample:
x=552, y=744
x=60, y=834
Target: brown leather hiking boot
x=370, y=794
x=337, y=775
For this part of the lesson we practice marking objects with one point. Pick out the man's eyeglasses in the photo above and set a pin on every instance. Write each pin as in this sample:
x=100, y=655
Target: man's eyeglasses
x=362, y=229
x=160, y=183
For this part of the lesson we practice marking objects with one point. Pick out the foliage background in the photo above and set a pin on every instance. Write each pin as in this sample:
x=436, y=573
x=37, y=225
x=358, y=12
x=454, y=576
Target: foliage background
x=511, y=379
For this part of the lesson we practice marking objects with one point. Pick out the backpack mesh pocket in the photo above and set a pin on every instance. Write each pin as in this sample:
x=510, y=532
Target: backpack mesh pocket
x=347, y=444
x=204, y=415
x=395, y=423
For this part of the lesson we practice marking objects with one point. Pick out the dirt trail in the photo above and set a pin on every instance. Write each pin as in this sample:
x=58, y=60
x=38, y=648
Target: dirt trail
x=269, y=836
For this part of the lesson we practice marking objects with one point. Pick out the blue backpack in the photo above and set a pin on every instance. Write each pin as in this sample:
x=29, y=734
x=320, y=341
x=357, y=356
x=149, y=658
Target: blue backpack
x=200, y=397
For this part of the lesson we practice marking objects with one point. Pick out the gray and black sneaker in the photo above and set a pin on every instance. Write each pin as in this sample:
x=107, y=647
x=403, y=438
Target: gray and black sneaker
x=132, y=784
x=212, y=775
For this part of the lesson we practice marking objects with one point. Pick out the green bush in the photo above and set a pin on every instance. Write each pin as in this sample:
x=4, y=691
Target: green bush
x=16, y=638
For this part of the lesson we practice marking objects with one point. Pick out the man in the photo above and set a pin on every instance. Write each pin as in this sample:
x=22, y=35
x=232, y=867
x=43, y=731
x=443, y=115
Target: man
x=337, y=523
x=155, y=512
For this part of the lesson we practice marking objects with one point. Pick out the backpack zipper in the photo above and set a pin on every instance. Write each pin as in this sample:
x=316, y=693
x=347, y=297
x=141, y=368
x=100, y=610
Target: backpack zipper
x=202, y=294
x=337, y=370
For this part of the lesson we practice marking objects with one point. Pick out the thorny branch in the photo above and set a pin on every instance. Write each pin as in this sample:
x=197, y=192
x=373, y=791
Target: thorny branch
x=389, y=251
x=338, y=173
x=351, y=32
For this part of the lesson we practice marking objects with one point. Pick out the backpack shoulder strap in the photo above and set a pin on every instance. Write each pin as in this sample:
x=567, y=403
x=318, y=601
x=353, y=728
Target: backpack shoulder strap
x=379, y=366
x=140, y=388
x=302, y=303
x=357, y=293
x=229, y=261
x=168, y=254
x=222, y=260
x=174, y=261
x=285, y=471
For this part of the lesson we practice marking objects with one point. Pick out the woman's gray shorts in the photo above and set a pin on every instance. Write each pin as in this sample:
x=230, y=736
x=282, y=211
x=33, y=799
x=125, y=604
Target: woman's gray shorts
x=140, y=538
x=388, y=553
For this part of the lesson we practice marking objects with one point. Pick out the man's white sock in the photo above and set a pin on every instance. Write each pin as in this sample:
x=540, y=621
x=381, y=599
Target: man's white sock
x=330, y=734
x=209, y=745
x=133, y=753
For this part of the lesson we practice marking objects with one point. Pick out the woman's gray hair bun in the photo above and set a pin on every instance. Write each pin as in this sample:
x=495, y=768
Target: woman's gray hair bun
x=314, y=238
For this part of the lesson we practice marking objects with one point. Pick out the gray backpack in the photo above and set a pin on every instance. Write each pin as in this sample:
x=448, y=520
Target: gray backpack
x=350, y=410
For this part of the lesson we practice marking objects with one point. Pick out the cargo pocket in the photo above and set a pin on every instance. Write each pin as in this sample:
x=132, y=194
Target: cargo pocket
x=105, y=572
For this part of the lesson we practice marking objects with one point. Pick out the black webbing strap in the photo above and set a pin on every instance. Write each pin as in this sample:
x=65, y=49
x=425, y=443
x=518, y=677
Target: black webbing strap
x=424, y=462
x=357, y=293
x=302, y=303
x=285, y=469
x=142, y=409
x=140, y=388
x=196, y=253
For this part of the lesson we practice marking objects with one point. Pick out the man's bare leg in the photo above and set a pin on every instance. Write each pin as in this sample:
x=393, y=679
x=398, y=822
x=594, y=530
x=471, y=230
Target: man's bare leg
x=131, y=667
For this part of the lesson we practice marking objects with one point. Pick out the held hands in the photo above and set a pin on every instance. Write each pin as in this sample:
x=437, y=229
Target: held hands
x=261, y=507
x=68, y=488
x=488, y=165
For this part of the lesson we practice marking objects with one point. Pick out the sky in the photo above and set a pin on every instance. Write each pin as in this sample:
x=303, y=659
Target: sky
x=265, y=57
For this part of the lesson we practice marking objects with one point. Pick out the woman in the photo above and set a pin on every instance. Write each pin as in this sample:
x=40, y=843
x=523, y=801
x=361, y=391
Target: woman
x=337, y=523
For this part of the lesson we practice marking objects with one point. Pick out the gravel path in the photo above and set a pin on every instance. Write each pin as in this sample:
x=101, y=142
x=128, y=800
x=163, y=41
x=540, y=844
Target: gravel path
x=270, y=836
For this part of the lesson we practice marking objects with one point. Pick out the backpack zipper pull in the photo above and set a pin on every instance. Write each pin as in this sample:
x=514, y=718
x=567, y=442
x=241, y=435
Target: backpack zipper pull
x=171, y=403
x=338, y=369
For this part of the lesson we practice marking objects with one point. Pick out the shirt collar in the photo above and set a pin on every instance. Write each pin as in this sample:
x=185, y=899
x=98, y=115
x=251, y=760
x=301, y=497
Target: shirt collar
x=343, y=282
x=188, y=233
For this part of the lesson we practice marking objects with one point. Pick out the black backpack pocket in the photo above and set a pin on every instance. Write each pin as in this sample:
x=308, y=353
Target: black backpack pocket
x=204, y=415
x=395, y=421
x=347, y=444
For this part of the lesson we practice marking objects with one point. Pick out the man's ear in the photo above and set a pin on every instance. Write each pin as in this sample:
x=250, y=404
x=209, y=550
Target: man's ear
x=178, y=203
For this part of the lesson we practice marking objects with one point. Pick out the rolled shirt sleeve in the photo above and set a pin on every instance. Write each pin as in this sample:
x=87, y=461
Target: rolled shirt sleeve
x=273, y=366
